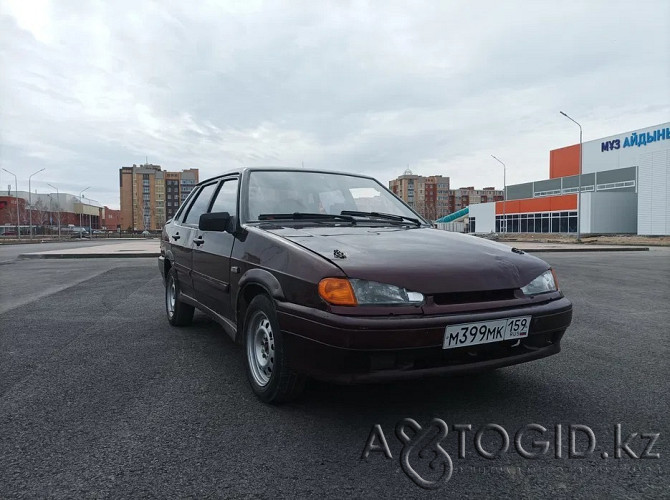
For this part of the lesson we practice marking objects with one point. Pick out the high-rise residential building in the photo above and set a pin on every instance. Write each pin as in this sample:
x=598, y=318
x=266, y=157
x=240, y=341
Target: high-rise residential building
x=466, y=196
x=150, y=196
x=426, y=195
x=432, y=197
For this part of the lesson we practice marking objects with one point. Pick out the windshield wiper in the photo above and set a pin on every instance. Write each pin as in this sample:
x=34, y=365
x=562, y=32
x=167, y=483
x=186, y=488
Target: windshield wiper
x=381, y=215
x=307, y=216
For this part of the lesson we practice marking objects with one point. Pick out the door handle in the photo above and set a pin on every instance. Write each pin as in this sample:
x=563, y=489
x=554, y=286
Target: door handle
x=198, y=241
x=176, y=236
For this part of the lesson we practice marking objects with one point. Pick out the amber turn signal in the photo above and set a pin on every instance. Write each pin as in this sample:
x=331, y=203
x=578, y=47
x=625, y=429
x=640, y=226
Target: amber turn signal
x=337, y=291
x=555, y=278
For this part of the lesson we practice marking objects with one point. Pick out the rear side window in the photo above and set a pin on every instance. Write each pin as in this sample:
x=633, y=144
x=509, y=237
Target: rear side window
x=200, y=204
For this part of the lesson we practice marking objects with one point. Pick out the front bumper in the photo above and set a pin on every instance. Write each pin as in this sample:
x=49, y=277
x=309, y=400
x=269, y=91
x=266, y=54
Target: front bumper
x=351, y=349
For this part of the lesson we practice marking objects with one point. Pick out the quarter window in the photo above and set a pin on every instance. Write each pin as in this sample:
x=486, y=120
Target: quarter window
x=226, y=198
x=200, y=204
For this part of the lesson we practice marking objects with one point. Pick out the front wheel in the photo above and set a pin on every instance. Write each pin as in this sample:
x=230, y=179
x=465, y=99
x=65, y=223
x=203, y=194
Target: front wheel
x=178, y=313
x=270, y=378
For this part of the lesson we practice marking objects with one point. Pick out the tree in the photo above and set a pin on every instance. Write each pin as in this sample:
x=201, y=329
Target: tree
x=40, y=213
x=11, y=208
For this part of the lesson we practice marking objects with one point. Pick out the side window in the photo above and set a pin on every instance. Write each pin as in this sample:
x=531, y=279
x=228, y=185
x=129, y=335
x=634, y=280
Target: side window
x=182, y=207
x=226, y=198
x=200, y=204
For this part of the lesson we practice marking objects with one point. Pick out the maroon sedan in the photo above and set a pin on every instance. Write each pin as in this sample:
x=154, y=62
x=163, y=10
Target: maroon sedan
x=329, y=275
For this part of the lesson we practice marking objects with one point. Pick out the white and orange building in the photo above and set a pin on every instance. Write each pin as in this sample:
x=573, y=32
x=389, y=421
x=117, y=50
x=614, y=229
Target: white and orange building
x=625, y=189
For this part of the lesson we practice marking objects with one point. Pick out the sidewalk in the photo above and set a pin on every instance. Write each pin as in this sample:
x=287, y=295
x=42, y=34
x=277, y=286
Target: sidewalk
x=151, y=248
x=131, y=248
x=536, y=247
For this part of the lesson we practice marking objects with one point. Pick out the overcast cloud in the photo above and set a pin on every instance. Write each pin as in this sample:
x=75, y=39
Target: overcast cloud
x=89, y=86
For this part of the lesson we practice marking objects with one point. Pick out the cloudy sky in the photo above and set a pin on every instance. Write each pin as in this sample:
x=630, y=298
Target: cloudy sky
x=89, y=86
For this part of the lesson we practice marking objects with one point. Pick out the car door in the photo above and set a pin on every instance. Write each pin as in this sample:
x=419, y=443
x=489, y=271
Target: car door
x=179, y=246
x=185, y=229
x=211, y=255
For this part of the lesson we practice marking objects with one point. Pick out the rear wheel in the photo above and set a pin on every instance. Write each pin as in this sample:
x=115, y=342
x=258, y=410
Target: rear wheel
x=178, y=313
x=270, y=378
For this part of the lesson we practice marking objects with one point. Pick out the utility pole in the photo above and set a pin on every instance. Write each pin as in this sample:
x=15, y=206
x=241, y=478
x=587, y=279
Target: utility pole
x=30, y=203
x=81, y=210
x=16, y=194
x=579, y=193
x=505, y=193
x=90, y=217
x=58, y=203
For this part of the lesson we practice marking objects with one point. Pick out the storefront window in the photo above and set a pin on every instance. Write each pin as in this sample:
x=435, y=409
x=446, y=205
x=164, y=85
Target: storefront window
x=546, y=222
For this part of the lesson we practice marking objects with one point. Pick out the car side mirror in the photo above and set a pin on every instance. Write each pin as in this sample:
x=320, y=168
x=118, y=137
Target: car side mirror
x=216, y=221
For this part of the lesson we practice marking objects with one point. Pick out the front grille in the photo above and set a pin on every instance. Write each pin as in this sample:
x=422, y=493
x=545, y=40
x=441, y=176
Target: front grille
x=444, y=299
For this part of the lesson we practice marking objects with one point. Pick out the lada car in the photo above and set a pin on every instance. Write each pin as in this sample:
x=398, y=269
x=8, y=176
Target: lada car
x=331, y=276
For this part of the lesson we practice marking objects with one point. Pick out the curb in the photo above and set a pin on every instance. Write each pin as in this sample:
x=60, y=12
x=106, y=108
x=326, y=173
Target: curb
x=132, y=255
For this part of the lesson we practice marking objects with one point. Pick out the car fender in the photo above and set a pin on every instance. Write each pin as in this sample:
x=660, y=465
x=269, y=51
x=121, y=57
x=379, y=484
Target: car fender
x=263, y=278
x=169, y=256
x=258, y=277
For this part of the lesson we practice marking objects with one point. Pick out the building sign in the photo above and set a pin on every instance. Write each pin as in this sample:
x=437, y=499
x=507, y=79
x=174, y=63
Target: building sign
x=636, y=139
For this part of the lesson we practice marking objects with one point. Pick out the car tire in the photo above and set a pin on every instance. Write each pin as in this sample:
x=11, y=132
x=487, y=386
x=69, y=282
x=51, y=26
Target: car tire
x=178, y=313
x=269, y=376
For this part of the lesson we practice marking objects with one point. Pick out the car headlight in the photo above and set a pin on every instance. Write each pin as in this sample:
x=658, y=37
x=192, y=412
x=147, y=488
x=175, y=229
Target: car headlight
x=352, y=292
x=373, y=293
x=544, y=283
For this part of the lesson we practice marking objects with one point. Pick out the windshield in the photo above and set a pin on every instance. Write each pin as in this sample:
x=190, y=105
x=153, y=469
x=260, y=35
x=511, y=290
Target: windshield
x=287, y=192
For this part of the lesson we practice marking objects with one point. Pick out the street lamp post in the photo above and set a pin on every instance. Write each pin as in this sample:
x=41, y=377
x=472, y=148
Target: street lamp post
x=58, y=204
x=51, y=215
x=30, y=203
x=579, y=193
x=81, y=209
x=504, y=191
x=16, y=193
x=90, y=218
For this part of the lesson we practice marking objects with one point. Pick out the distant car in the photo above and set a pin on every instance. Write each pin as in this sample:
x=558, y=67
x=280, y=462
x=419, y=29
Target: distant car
x=80, y=234
x=328, y=275
x=146, y=233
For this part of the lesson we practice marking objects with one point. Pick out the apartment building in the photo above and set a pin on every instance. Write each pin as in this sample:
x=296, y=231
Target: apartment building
x=432, y=197
x=150, y=196
x=427, y=195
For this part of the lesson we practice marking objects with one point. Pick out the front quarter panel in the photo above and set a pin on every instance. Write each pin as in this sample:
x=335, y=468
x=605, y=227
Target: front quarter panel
x=287, y=271
x=166, y=247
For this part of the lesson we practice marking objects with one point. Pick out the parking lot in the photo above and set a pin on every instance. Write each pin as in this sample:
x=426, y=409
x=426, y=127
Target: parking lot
x=100, y=397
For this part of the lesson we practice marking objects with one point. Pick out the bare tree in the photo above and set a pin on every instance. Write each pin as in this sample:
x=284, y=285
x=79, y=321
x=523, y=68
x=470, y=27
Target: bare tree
x=58, y=218
x=40, y=213
x=11, y=207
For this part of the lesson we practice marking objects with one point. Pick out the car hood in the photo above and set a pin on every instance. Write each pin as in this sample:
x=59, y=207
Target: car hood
x=421, y=259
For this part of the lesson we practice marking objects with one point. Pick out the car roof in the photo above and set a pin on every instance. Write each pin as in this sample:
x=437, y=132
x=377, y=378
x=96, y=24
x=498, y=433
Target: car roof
x=241, y=170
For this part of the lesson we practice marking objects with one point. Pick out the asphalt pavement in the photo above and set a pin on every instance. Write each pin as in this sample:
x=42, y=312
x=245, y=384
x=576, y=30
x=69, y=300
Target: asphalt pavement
x=100, y=397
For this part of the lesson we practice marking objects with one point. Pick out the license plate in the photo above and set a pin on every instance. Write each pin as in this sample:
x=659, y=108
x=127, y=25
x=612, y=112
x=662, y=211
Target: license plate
x=485, y=332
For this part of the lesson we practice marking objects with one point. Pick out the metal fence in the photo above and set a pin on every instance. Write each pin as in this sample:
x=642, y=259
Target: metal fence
x=456, y=227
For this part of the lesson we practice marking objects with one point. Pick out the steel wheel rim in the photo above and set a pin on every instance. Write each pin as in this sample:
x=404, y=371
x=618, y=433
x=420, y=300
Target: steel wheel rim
x=260, y=348
x=170, y=297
